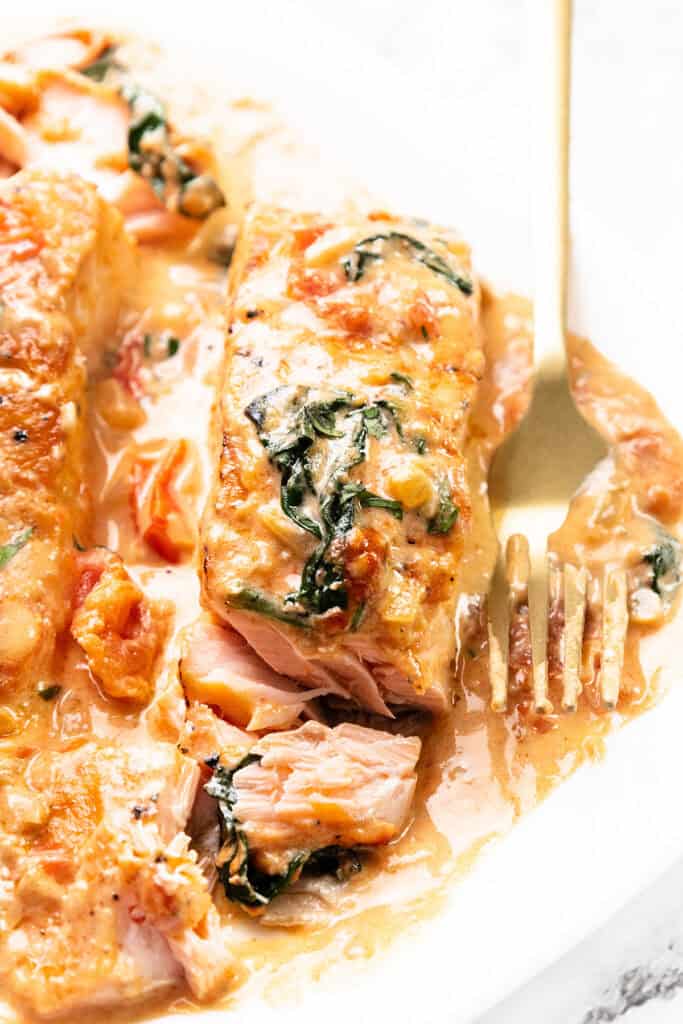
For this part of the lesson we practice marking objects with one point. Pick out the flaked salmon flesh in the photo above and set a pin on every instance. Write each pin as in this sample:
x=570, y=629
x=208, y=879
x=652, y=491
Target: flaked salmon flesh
x=316, y=787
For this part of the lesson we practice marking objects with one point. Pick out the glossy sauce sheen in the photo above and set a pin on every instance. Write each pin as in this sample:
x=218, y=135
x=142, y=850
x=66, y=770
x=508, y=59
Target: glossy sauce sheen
x=479, y=771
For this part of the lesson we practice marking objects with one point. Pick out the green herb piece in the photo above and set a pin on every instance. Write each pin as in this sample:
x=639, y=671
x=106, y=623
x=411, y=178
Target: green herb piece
x=49, y=692
x=403, y=378
x=374, y=248
x=257, y=410
x=303, y=427
x=323, y=584
x=162, y=348
x=380, y=416
x=77, y=544
x=243, y=883
x=367, y=499
x=9, y=550
x=97, y=70
x=420, y=444
x=665, y=560
x=251, y=600
x=358, y=617
x=424, y=332
x=288, y=451
x=447, y=512
x=151, y=154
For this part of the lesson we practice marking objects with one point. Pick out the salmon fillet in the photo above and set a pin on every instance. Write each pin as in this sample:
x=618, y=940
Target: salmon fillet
x=64, y=260
x=332, y=538
x=103, y=901
x=308, y=794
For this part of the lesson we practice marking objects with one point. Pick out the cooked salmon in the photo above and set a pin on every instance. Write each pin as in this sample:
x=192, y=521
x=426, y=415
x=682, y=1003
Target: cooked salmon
x=64, y=261
x=333, y=535
x=68, y=102
x=220, y=668
x=308, y=793
x=104, y=901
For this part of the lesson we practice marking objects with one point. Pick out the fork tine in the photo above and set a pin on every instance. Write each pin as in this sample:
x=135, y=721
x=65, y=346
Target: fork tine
x=574, y=617
x=517, y=569
x=517, y=572
x=555, y=609
x=538, y=622
x=498, y=671
x=498, y=639
x=614, y=627
x=514, y=614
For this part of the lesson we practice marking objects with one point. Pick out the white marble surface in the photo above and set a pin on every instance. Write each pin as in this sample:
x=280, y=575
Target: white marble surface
x=632, y=968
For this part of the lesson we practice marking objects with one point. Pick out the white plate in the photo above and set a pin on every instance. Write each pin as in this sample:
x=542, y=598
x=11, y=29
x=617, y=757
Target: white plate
x=462, y=158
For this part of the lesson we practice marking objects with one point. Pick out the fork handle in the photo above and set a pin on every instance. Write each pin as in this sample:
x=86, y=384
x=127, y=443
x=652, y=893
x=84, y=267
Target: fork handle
x=550, y=42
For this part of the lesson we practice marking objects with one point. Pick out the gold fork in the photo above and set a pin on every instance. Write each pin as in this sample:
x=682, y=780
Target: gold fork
x=537, y=471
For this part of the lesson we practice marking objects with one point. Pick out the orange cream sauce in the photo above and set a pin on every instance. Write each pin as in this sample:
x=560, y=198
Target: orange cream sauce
x=479, y=770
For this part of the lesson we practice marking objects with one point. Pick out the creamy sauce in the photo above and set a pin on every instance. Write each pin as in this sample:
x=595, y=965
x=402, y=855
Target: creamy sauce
x=479, y=770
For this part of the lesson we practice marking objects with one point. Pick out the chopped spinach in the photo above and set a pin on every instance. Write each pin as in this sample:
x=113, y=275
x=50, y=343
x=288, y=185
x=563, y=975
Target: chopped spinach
x=49, y=692
x=244, y=883
x=358, y=616
x=403, y=378
x=304, y=423
x=257, y=409
x=374, y=248
x=9, y=550
x=367, y=499
x=151, y=154
x=98, y=69
x=323, y=584
x=420, y=444
x=157, y=348
x=251, y=600
x=446, y=514
x=665, y=559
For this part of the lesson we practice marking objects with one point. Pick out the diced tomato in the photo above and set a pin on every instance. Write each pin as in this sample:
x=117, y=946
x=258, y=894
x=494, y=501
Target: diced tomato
x=381, y=215
x=306, y=283
x=305, y=236
x=422, y=317
x=355, y=318
x=160, y=499
x=90, y=573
